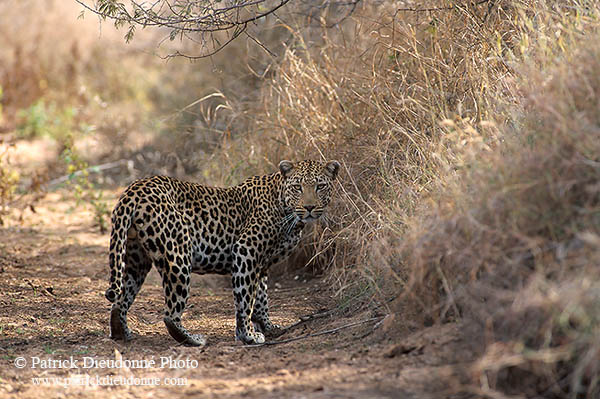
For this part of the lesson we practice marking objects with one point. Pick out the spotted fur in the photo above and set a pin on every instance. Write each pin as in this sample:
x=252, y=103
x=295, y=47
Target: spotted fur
x=183, y=228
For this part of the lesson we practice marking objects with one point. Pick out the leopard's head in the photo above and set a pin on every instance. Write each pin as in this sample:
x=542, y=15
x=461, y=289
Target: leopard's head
x=307, y=187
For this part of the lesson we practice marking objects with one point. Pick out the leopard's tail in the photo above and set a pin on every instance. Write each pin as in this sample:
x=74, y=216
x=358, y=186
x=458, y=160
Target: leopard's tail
x=121, y=219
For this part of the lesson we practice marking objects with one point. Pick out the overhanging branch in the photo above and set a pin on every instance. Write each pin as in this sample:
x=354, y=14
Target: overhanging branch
x=210, y=21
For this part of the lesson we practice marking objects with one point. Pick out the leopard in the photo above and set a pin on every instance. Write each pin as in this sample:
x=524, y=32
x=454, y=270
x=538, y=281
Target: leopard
x=183, y=228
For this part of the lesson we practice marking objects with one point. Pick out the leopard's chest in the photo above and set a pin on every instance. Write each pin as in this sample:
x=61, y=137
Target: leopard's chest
x=287, y=243
x=213, y=253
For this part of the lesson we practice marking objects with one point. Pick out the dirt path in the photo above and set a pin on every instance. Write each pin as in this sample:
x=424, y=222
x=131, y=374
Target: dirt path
x=53, y=314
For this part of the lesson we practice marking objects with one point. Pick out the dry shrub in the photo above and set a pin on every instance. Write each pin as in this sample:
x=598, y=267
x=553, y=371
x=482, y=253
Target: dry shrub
x=469, y=184
x=515, y=249
x=372, y=95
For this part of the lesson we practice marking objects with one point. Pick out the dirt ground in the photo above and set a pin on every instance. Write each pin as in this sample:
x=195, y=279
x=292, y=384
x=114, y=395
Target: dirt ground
x=54, y=333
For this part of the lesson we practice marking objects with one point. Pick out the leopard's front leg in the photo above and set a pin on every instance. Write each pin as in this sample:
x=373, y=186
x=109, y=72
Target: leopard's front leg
x=244, y=278
x=260, y=314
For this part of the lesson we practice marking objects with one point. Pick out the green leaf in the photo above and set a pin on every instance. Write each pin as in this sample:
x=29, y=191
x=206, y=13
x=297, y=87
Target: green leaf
x=130, y=33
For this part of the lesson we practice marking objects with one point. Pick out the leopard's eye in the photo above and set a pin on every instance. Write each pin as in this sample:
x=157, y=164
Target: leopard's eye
x=297, y=187
x=321, y=186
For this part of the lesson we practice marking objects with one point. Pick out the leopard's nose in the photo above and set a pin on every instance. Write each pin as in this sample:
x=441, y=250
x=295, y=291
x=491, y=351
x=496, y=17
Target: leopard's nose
x=309, y=207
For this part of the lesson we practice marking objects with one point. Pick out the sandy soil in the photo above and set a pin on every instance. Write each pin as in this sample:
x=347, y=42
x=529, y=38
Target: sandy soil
x=54, y=318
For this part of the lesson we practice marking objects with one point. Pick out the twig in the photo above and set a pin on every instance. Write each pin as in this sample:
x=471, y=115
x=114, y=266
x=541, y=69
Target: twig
x=304, y=319
x=238, y=31
x=96, y=168
x=331, y=331
x=265, y=48
x=448, y=290
x=326, y=313
x=375, y=327
x=353, y=5
x=435, y=8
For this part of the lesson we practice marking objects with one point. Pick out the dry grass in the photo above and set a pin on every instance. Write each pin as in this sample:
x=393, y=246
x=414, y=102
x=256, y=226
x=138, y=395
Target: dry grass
x=523, y=260
x=512, y=245
x=373, y=95
x=471, y=178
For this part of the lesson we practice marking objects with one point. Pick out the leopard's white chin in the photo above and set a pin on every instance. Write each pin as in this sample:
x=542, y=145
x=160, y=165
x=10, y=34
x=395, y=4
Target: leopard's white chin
x=310, y=219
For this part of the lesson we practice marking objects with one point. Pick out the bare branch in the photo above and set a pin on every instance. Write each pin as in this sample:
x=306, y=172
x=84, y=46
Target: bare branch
x=436, y=8
x=183, y=17
x=239, y=30
x=201, y=21
x=330, y=331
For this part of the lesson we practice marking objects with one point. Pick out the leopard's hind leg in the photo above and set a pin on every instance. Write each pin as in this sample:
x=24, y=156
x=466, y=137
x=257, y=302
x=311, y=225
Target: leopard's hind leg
x=137, y=266
x=176, y=285
x=165, y=238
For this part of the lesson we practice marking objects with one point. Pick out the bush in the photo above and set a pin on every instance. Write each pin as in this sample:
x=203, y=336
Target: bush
x=471, y=178
x=515, y=248
x=374, y=94
x=9, y=179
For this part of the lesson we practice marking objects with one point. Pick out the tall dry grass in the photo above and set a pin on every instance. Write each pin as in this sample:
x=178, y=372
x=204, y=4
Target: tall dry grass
x=509, y=239
x=469, y=139
x=517, y=253
x=374, y=95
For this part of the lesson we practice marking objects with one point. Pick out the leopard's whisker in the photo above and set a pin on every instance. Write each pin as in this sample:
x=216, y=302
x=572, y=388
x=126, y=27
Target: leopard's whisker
x=286, y=219
x=292, y=226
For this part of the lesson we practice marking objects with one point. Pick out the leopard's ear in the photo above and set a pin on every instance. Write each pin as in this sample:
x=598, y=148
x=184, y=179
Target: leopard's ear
x=332, y=168
x=285, y=167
